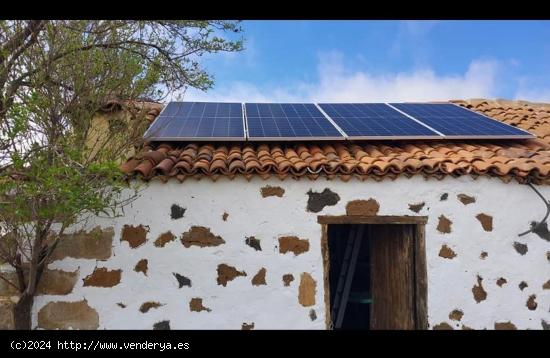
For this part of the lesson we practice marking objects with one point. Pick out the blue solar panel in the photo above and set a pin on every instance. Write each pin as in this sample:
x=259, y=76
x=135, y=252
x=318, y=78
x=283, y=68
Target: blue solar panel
x=288, y=121
x=455, y=121
x=198, y=120
x=374, y=120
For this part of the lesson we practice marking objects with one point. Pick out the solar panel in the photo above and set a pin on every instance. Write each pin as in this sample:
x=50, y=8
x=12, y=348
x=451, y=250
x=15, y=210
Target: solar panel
x=288, y=121
x=375, y=121
x=198, y=121
x=458, y=122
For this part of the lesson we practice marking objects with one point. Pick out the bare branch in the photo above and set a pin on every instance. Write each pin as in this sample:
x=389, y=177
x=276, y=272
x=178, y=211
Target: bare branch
x=18, y=39
x=9, y=282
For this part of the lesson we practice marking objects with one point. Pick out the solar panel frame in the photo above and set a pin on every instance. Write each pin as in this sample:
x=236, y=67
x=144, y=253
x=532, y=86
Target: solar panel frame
x=162, y=117
x=526, y=134
x=320, y=119
x=350, y=136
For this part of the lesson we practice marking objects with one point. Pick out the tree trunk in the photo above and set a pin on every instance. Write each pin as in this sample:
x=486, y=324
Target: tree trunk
x=22, y=312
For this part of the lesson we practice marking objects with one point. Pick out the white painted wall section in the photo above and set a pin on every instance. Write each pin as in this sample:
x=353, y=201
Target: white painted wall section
x=274, y=306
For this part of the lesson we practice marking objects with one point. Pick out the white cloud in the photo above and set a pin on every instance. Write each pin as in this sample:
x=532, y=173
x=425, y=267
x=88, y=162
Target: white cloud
x=248, y=57
x=412, y=40
x=243, y=92
x=534, y=94
x=419, y=27
x=532, y=89
x=335, y=83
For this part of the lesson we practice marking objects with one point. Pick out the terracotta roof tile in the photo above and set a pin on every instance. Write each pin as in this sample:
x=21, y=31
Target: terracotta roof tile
x=164, y=166
x=520, y=160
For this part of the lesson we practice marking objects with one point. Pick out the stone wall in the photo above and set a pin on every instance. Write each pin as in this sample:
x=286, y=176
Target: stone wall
x=237, y=254
x=95, y=244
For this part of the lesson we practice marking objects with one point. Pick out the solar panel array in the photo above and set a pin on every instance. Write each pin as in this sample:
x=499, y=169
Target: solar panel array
x=195, y=121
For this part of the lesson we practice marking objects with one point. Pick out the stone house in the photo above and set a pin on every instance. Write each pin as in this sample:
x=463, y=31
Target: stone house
x=253, y=236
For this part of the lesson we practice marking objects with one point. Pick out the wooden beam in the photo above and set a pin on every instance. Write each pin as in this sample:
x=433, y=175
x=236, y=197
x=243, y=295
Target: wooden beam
x=421, y=278
x=363, y=219
x=326, y=273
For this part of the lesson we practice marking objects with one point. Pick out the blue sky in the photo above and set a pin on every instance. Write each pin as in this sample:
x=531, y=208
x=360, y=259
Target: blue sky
x=344, y=61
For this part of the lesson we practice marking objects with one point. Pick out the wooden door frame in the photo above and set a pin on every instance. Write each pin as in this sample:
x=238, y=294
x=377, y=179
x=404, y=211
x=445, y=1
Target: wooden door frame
x=420, y=276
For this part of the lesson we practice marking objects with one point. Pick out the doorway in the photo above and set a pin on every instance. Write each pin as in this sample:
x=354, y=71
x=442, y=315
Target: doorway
x=375, y=272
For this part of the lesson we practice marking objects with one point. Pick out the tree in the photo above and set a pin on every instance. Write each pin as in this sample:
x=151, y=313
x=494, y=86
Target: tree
x=54, y=77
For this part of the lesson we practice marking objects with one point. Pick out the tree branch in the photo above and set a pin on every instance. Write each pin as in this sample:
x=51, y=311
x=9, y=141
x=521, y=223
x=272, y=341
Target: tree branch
x=546, y=203
x=18, y=39
x=9, y=282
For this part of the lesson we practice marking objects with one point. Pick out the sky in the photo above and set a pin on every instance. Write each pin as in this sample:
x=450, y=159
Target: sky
x=383, y=61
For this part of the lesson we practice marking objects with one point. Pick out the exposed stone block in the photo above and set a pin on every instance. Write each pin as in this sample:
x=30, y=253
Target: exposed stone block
x=307, y=290
x=95, y=244
x=293, y=244
x=103, y=277
x=444, y=225
x=195, y=305
x=6, y=314
x=134, y=235
x=68, y=315
x=164, y=238
x=318, y=201
x=200, y=236
x=272, y=191
x=363, y=207
x=227, y=273
x=259, y=278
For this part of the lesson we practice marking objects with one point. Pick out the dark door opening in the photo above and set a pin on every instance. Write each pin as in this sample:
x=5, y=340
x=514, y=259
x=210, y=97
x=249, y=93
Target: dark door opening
x=372, y=276
x=350, y=291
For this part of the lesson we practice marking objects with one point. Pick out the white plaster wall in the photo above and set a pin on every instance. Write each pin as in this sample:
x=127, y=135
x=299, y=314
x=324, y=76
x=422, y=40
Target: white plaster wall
x=274, y=306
